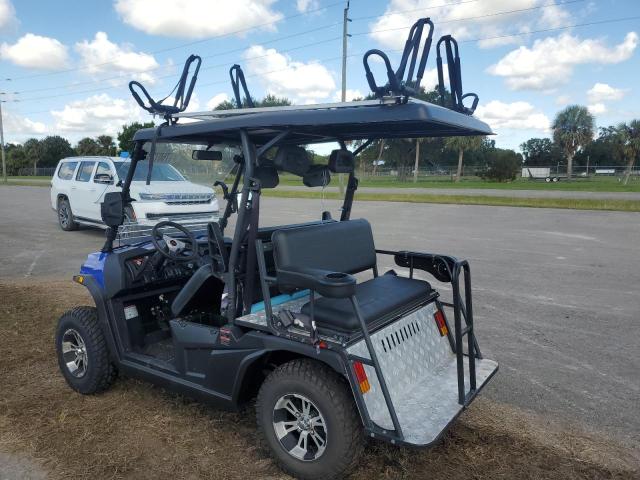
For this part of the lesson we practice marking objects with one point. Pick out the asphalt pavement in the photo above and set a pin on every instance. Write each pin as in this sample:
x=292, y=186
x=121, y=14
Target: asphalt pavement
x=556, y=292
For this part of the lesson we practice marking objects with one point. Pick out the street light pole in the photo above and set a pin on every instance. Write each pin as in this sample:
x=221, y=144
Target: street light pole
x=4, y=165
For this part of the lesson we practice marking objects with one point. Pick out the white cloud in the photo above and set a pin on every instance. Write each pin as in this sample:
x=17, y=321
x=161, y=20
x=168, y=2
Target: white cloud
x=282, y=76
x=19, y=126
x=389, y=31
x=602, y=92
x=516, y=115
x=217, y=100
x=350, y=95
x=197, y=18
x=306, y=5
x=597, y=108
x=7, y=15
x=102, y=56
x=96, y=115
x=34, y=51
x=550, y=61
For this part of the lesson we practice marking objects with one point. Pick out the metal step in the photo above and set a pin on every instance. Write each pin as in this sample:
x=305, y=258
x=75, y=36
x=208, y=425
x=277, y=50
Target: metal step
x=421, y=374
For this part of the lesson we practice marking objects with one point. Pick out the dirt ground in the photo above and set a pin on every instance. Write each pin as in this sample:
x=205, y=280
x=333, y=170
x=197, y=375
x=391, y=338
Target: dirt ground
x=137, y=431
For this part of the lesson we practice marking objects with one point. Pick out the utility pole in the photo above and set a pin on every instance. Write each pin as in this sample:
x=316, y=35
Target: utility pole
x=345, y=34
x=4, y=165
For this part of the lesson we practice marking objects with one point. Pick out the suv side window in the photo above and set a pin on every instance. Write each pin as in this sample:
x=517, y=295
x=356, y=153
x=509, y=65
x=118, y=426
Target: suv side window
x=103, y=169
x=65, y=172
x=84, y=172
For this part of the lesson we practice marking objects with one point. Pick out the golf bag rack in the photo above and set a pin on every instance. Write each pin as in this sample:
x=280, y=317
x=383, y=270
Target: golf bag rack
x=181, y=90
x=237, y=80
x=397, y=84
x=456, y=101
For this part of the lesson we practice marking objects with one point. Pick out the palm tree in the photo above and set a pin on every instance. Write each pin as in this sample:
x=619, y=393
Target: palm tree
x=32, y=148
x=630, y=136
x=107, y=145
x=461, y=144
x=572, y=129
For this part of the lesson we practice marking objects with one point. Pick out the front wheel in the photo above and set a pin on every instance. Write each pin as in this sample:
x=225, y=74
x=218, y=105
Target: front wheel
x=307, y=417
x=82, y=351
x=65, y=216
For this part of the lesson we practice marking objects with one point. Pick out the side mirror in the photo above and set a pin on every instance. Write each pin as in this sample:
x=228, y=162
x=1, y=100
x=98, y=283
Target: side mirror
x=112, y=209
x=215, y=155
x=103, y=178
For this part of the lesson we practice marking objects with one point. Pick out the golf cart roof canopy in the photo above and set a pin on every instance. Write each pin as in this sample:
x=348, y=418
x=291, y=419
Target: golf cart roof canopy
x=389, y=117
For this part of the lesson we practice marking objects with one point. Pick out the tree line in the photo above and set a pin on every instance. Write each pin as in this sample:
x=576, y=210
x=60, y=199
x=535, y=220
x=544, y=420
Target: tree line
x=572, y=143
x=46, y=153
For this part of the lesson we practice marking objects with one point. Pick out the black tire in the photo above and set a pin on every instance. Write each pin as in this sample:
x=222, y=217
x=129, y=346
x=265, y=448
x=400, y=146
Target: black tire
x=65, y=216
x=333, y=400
x=99, y=371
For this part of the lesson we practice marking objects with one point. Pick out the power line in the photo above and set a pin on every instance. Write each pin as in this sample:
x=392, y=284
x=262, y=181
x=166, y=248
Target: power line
x=235, y=32
x=564, y=27
x=285, y=38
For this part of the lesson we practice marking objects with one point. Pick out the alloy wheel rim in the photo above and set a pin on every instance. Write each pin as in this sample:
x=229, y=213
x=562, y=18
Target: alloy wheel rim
x=63, y=213
x=74, y=353
x=300, y=427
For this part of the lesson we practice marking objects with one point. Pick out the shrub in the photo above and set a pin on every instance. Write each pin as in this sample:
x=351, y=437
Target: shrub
x=503, y=166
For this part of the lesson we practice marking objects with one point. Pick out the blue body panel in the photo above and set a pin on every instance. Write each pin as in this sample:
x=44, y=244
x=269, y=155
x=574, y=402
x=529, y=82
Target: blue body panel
x=94, y=266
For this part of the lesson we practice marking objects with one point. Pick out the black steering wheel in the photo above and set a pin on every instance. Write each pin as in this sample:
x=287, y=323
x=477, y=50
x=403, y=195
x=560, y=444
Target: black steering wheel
x=173, y=248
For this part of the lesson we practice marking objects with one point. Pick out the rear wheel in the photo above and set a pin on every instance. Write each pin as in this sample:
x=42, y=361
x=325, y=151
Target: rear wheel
x=308, y=419
x=65, y=216
x=82, y=351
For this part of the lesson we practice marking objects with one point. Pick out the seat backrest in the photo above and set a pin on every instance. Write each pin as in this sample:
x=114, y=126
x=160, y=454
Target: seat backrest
x=337, y=246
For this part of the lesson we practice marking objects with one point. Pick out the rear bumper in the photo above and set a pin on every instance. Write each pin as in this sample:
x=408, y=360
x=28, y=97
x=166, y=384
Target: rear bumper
x=420, y=370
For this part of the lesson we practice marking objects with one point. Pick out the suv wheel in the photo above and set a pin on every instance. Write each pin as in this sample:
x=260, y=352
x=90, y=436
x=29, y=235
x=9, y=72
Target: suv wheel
x=65, y=216
x=82, y=351
x=307, y=418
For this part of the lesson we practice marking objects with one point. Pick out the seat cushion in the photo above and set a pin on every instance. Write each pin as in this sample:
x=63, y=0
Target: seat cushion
x=376, y=297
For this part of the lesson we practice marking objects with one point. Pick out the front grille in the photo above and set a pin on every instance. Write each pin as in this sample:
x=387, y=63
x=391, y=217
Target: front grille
x=181, y=216
x=188, y=202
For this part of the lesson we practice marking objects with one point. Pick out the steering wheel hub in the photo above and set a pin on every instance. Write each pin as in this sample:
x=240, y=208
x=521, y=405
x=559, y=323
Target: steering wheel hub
x=183, y=249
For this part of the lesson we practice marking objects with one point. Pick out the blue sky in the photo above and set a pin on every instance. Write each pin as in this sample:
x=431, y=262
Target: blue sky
x=70, y=61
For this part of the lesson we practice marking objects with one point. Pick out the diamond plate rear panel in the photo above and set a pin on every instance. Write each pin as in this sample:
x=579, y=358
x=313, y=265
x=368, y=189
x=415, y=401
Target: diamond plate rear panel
x=420, y=370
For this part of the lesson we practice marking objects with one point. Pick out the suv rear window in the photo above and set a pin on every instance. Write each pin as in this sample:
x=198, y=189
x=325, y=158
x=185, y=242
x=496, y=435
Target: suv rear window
x=65, y=172
x=84, y=172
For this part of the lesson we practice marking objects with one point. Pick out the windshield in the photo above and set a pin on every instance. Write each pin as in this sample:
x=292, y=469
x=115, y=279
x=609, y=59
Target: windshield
x=173, y=162
x=162, y=172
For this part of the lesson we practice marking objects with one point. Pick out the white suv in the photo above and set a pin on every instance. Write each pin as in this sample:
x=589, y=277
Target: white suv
x=79, y=184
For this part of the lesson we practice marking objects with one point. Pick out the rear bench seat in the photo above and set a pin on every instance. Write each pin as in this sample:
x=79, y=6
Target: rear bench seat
x=345, y=247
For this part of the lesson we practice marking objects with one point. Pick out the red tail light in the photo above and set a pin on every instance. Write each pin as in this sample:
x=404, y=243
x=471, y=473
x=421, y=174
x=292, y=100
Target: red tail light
x=361, y=376
x=442, y=324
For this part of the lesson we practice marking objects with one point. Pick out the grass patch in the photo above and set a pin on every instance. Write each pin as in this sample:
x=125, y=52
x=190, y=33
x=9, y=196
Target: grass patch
x=25, y=183
x=592, y=184
x=567, y=203
x=135, y=430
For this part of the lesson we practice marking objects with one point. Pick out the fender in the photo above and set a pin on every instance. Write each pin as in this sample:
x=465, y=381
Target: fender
x=272, y=344
x=95, y=290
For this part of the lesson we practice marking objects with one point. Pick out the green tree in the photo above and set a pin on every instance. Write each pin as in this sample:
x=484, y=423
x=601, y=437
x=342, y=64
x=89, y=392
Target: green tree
x=16, y=158
x=107, y=145
x=540, y=152
x=33, y=151
x=54, y=148
x=503, y=165
x=125, y=137
x=461, y=144
x=269, y=101
x=630, y=134
x=87, y=146
x=572, y=130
